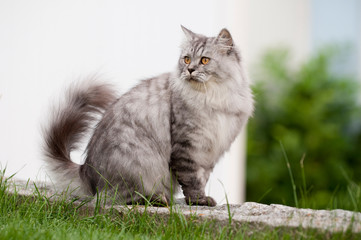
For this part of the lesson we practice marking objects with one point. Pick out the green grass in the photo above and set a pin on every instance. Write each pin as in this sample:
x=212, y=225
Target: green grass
x=347, y=200
x=41, y=217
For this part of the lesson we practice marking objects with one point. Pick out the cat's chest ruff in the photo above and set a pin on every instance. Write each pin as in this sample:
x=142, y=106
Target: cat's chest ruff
x=225, y=128
x=214, y=136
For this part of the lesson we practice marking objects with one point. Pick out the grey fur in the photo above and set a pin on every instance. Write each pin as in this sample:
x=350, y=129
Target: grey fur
x=167, y=131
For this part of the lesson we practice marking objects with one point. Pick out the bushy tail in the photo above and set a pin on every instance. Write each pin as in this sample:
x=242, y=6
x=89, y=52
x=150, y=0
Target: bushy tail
x=69, y=123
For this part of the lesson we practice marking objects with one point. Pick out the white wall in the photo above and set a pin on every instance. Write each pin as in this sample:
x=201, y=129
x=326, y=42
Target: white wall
x=45, y=45
x=279, y=23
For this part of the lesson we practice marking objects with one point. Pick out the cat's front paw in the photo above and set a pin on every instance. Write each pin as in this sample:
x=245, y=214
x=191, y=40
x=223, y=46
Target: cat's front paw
x=201, y=201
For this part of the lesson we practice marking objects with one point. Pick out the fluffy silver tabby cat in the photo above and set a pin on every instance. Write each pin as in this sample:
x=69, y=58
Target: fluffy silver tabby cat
x=167, y=131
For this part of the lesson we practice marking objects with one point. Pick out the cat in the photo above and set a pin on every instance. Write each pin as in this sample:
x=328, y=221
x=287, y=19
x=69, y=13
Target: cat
x=166, y=133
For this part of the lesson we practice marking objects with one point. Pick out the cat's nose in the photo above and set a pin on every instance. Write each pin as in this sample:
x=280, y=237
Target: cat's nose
x=190, y=70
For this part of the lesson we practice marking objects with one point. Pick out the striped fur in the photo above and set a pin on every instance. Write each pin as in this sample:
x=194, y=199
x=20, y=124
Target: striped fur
x=167, y=131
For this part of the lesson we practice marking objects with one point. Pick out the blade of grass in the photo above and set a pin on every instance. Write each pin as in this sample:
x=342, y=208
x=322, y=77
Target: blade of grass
x=303, y=190
x=265, y=194
x=230, y=216
x=291, y=175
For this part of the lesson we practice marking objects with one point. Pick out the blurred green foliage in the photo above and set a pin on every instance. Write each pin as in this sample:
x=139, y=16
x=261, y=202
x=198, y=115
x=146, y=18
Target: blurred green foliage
x=315, y=113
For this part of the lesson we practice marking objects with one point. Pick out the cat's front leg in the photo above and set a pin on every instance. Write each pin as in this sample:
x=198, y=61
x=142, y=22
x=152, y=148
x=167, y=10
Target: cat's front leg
x=193, y=197
x=193, y=179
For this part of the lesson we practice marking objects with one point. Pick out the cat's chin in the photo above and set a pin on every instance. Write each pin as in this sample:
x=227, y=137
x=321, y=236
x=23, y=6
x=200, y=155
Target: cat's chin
x=198, y=85
x=192, y=79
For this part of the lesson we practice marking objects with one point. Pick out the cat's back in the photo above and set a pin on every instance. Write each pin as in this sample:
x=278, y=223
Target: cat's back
x=152, y=93
x=140, y=116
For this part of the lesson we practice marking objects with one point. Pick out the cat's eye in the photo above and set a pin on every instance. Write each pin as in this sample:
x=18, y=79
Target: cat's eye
x=205, y=60
x=187, y=60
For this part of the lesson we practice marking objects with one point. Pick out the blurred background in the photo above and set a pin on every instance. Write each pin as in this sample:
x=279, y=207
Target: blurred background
x=303, y=57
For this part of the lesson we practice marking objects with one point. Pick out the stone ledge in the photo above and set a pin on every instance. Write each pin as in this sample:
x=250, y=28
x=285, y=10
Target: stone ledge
x=256, y=216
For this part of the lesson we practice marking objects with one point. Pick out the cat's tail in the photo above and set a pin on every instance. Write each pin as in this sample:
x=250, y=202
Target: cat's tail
x=70, y=121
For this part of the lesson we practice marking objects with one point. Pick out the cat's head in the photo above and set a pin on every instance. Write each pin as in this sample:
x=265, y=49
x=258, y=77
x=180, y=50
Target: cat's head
x=207, y=59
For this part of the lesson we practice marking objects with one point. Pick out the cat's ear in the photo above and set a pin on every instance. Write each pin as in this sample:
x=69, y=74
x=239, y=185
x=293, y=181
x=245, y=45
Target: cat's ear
x=225, y=37
x=188, y=33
